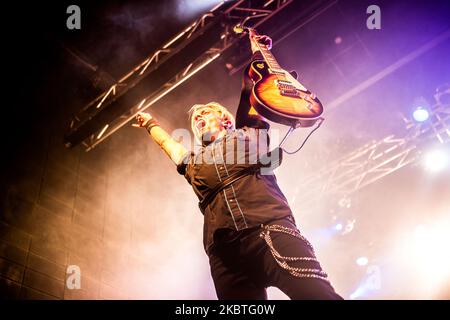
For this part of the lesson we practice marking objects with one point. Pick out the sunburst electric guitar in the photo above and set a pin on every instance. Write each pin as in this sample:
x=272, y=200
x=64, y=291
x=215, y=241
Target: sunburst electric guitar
x=277, y=95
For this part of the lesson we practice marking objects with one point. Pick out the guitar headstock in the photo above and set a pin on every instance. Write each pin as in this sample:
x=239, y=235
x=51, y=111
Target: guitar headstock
x=239, y=28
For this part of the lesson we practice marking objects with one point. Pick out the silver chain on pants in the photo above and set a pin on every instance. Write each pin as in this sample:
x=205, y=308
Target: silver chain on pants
x=283, y=261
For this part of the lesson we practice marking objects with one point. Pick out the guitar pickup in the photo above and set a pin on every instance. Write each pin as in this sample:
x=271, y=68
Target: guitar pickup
x=290, y=93
x=283, y=82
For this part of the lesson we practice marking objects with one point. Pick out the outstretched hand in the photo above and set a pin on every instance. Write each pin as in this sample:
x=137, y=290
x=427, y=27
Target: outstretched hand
x=142, y=118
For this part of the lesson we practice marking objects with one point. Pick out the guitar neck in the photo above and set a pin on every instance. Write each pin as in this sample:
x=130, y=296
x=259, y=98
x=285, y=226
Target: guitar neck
x=269, y=58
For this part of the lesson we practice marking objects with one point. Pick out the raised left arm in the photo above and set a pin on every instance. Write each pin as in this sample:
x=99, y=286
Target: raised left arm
x=246, y=115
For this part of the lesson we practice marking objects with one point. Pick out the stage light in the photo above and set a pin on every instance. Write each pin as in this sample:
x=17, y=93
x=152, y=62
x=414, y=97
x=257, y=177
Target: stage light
x=420, y=232
x=430, y=251
x=338, y=227
x=358, y=293
x=421, y=114
x=420, y=109
x=436, y=160
x=188, y=9
x=362, y=261
x=342, y=227
x=422, y=253
x=338, y=40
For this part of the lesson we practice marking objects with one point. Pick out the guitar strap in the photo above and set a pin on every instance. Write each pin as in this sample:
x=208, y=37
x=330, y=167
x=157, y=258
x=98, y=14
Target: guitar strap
x=203, y=204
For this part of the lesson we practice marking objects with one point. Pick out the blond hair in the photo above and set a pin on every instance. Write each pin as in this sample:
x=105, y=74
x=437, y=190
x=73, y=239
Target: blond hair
x=217, y=107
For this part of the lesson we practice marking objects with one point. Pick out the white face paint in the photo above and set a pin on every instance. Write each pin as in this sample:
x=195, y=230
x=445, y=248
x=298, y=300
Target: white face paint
x=208, y=125
x=210, y=121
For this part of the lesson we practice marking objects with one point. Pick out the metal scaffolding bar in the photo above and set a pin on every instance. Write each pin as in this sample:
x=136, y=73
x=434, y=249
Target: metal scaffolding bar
x=204, y=40
x=376, y=159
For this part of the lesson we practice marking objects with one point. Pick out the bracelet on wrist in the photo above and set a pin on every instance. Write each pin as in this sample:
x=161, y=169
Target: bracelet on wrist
x=151, y=123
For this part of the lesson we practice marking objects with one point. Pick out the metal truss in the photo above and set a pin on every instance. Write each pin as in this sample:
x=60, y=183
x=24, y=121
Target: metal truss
x=378, y=159
x=227, y=14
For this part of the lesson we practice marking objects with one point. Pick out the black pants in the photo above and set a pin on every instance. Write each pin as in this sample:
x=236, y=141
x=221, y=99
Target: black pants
x=243, y=266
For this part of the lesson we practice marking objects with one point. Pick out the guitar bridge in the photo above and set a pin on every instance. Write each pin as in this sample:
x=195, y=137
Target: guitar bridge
x=290, y=93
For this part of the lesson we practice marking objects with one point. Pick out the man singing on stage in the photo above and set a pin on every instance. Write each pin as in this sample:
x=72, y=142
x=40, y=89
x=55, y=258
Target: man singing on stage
x=250, y=234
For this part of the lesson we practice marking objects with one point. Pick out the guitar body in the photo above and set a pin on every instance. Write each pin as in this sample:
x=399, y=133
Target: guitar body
x=279, y=97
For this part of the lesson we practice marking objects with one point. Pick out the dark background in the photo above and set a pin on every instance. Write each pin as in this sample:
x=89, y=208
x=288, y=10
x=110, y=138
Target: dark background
x=112, y=210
